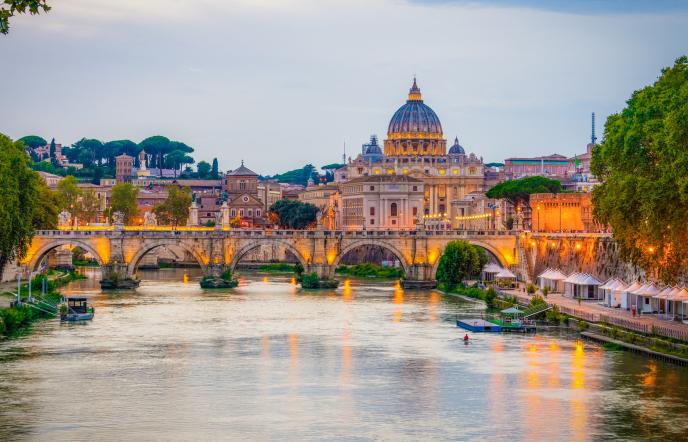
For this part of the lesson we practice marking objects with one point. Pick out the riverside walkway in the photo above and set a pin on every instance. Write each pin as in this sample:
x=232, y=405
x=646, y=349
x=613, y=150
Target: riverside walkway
x=591, y=311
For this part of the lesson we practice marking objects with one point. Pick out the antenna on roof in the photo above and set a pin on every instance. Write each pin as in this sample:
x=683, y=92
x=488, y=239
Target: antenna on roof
x=593, y=138
x=344, y=154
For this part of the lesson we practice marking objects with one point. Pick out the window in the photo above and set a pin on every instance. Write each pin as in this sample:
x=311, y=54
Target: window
x=241, y=213
x=441, y=208
x=372, y=188
x=372, y=221
x=415, y=188
x=455, y=171
x=242, y=185
x=258, y=213
x=233, y=212
x=250, y=213
x=394, y=222
x=393, y=209
x=372, y=211
x=415, y=211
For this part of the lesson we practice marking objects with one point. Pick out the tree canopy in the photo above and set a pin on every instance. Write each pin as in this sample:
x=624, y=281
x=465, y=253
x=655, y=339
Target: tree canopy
x=461, y=260
x=123, y=199
x=9, y=8
x=175, y=210
x=33, y=141
x=643, y=166
x=299, y=176
x=294, y=214
x=519, y=191
x=19, y=187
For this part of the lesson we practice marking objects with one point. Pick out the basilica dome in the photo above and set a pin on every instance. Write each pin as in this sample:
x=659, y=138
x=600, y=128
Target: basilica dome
x=415, y=129
x=457, y=149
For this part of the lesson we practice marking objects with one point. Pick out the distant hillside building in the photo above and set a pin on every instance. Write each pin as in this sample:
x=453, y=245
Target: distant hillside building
x=124, y=168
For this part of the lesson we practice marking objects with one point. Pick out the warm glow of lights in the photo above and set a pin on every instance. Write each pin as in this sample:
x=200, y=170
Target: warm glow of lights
x=347, y=293
x=650, y=250
x=185, y=278
x=579, y=246
x=293, y=281
x=441, y=171
x=390, y=171
x=265, y=279
x=532, y=243
x=553, y=244
x=433, y=255
x=331, y=256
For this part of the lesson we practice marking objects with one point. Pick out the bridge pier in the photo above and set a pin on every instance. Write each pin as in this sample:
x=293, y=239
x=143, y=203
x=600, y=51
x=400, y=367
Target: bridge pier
x=116, y=276
x=419, y=276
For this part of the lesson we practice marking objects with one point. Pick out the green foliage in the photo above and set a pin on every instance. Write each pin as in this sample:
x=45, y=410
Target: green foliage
x=46, y=207
x=545, y=291
x=9, y=8
x=299, y=176
x=294, y=214
x=214, y=171
x=68, y=193
x=310, y=281
x=518, y=191
x=489, y=297
x=370, y=270
x=204, y=170
x=19, y=188
x=333, y=166
x=554, y=315
x=226, y=275
x=277, y=267
x=123, y=199
x=461, y=260
x=509, y=223
x=643, y=163
x=298, y=269
x=33, y=141
x=175, y=209
x=531, y=288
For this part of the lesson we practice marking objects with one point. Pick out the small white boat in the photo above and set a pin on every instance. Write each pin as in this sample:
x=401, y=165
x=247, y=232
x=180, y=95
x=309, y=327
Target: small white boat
x=76, y=309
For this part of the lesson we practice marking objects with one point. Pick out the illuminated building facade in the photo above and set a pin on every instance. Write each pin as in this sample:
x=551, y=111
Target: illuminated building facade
x=415, y=146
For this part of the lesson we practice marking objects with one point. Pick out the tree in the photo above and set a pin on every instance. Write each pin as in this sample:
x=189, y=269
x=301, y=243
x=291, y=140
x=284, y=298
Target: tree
x=88, y=206
x=215, y=172
x=18, y=194
x=461, y=260
x=9, y=8
x=123, y=199
x=293, y=214
x=175, y=209
x=203, y=169
x=46, y=208
x=299, y=176
x=52, y=152
x=68, y=193
x=643, y=166
x=518, y=191
x=157, y=146
x=33, y=141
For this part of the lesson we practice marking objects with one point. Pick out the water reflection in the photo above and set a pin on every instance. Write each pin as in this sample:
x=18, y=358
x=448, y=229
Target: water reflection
x=268, y=361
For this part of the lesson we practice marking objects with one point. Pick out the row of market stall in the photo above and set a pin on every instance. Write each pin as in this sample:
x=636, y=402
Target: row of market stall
x=672, y=302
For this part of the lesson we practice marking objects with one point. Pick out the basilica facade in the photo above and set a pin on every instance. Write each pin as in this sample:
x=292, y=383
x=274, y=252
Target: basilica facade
x=416, y=147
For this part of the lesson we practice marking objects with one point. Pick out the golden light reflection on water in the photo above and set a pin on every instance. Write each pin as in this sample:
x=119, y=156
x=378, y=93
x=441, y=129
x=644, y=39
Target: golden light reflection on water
x=347, y=293
x=185, y=278
x=579, y=409
x=265, y=280
x=650, y=378
x=434, y=302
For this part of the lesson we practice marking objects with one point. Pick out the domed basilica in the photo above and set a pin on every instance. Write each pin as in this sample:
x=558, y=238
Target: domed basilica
x=415, y=146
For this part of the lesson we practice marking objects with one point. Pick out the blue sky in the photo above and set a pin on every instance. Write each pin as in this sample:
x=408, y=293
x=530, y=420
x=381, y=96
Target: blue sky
x=280, y=83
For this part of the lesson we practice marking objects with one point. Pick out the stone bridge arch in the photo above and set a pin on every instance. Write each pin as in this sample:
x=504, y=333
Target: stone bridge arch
x=372, y=242
x=245, y=248
x=34, y=257
x=492, y=251
x=149, y=246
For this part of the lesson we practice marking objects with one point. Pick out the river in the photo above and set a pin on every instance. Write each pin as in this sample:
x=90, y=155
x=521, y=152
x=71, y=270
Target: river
x=267, y=361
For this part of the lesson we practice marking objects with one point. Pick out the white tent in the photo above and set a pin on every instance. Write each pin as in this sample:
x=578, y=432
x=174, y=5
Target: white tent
x=679, y=302
x=490, y=270
x=662, y=300
x=582, y=285
x=611, y=293
x=505, y=274
x=552, y=279
x=627, y=297
x=644, y=297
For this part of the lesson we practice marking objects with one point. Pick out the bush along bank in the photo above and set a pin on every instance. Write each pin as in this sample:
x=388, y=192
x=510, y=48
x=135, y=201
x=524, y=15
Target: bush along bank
x=17, y=319
x=488, y=295
x=369, y=270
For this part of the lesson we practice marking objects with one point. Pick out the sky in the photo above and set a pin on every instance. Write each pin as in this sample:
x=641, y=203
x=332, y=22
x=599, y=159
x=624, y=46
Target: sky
x=283, y=83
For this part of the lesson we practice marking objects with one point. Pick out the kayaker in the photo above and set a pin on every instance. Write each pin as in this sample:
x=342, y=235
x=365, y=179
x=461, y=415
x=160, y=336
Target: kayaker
x=465, y=338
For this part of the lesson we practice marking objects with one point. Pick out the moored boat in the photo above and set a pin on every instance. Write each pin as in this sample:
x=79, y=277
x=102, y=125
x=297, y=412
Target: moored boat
x=76, y=308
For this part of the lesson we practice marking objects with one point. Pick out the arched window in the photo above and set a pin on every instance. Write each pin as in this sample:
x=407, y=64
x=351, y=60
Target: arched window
x=250, y=213
x=241, y=213
x=393, y=209
x=257, y=213
x=233, y=212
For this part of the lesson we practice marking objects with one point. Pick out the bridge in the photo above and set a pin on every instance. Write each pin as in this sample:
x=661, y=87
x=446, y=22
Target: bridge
x=121, y=250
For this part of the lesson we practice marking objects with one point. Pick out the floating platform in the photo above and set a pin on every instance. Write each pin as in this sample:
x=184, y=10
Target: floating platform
x=478, y=325
x=494, y=326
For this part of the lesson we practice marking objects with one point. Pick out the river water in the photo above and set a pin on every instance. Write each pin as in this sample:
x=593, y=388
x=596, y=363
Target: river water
x=267, y=361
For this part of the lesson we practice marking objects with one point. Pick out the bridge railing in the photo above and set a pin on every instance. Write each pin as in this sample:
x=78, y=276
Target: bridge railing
x=273, y=233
